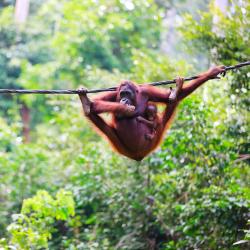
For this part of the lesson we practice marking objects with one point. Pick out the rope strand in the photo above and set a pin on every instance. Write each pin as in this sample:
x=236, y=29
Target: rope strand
x=71, y=91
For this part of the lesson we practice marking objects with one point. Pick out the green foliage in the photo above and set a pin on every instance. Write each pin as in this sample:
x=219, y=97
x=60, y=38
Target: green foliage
x=200, y=198
x=224, y=37
x=106, y=34
x=32, y=228
x=192, y=193
x=151, y=66
x=221, y=34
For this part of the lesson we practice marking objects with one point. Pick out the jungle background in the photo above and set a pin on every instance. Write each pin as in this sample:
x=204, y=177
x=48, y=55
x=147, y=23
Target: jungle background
x=61, y=185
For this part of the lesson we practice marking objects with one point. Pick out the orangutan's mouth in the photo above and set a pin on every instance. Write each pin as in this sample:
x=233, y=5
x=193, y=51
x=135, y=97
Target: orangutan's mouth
x=126, y=101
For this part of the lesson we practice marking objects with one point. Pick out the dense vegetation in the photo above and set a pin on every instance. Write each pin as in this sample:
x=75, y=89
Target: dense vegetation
x=66, y=189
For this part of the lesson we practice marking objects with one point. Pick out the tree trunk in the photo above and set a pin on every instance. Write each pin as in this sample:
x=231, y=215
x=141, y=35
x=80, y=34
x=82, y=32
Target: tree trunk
x=25, y=115
x=21, y=11
x=21, y=14
x=222, y=5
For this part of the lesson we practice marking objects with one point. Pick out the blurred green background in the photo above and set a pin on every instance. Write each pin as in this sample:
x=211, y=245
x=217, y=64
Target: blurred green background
x=62, y=187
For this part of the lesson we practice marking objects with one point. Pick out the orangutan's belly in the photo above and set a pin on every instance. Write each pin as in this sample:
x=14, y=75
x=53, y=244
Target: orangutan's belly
x=132, y=135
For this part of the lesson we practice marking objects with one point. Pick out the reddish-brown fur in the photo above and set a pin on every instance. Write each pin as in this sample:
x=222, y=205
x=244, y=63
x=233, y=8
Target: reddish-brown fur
x=126, y=133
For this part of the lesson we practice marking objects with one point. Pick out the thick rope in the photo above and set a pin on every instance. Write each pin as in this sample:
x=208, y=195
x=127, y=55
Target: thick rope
x=71, y=91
